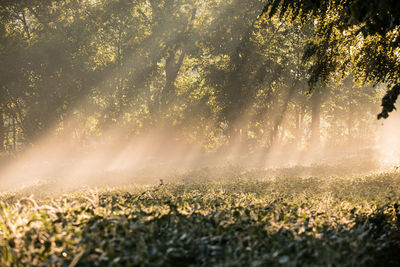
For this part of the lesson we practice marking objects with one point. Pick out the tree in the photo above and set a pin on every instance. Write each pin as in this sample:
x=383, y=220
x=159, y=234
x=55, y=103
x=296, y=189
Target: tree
x=45, y=47
x=207, y=72
x=359, y=37
x=349, y=111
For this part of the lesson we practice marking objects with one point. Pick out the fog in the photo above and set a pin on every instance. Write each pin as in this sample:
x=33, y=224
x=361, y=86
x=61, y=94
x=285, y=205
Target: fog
x=147, y=91
x=70, y=163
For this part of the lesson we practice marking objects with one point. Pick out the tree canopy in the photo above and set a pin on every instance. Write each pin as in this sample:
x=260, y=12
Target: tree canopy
x=361, y=37
x=211, y=72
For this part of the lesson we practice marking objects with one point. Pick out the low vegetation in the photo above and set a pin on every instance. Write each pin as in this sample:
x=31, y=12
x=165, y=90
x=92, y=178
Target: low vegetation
x=233, y=220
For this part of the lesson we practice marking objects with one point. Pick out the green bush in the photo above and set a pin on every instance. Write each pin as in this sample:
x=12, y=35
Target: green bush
x=236, y=220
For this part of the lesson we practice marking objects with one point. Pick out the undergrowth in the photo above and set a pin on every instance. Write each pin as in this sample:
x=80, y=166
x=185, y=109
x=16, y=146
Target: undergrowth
x=229, y=220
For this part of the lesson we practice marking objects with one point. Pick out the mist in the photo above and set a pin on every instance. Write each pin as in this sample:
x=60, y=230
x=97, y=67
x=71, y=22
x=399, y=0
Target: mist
x=112, y=92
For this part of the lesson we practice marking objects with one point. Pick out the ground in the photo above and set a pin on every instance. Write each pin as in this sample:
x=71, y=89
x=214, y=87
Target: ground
x=228, y=217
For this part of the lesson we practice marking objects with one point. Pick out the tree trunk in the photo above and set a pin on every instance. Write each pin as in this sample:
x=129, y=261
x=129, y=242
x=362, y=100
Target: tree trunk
x=14, y=129
x=244, y=134
x=173, y=64
x=316, y=118
x=350, y=117
x=172, y=68
x=2, y=132
x=299, y=127
x=279, y=119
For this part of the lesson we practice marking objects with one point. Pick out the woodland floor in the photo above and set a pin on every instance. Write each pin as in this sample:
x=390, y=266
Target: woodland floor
x=207, y=218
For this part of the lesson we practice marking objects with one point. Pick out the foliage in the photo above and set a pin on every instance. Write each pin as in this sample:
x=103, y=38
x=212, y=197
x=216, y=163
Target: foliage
x=208, y=71
x=351, y=36
x=235, y=220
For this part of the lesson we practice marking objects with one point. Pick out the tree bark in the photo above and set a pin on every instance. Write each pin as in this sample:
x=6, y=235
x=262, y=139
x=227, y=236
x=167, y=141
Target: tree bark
x=171, y=69
x=14, y=129
x=279, y=119
x=2, y=132
x=350, y=116
x=299, y=126
x=316, y=118
x=173, y=65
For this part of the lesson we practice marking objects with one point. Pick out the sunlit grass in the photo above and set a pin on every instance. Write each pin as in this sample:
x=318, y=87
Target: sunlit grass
x=199, y=219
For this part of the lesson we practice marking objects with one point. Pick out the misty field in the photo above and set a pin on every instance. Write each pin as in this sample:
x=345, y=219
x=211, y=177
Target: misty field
x=199, y=133
x=232, y=218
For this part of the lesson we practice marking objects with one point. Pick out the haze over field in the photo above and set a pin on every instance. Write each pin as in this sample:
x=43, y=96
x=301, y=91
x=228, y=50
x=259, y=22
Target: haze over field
x=199, y=133
x=96, y=90
x=72, y=163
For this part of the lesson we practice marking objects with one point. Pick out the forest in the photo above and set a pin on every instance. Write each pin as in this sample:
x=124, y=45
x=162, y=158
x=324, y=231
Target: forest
x=199, y=133
x=212, y=73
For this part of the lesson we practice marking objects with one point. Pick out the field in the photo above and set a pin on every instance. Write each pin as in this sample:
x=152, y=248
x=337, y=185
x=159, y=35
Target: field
x=207, y=218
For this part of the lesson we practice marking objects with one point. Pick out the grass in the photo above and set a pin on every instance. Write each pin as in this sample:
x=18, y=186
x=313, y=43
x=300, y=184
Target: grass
x=207, y=218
